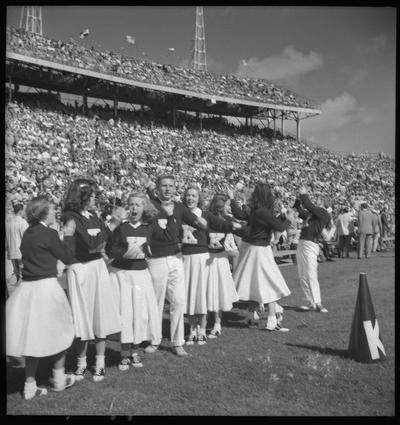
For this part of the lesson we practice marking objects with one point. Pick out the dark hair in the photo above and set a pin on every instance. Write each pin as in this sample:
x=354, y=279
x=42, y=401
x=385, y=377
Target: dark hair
x=164, y=176
x=262, y=196
x=215, y=203
x=195, y=187
x=78, y=194
x=18, y=207
x=37, y=209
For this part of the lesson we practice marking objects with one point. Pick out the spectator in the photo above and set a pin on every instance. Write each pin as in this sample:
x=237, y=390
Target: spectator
x=344, y=229
x=15, y=228
x=365, y=231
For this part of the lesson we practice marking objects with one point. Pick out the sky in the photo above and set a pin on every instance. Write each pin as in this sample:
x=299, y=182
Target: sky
x=343, y=58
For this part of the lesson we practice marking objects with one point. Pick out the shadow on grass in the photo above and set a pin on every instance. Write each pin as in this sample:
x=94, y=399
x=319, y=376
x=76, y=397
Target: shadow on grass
x=230, y=319
x=322, y=350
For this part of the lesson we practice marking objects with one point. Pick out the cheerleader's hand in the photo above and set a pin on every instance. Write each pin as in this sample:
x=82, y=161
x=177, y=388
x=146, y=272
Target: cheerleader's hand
x=201, y=222
x=69, y=228
x=289, y=215
x=117, y=216
x=236, y=226
x=303, y=190
x=230, y=193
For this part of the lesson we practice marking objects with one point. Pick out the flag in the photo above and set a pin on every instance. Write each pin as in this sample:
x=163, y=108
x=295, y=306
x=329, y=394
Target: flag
x=84, y=33
x=244, y=62
x=130, y=39
x=172, y=49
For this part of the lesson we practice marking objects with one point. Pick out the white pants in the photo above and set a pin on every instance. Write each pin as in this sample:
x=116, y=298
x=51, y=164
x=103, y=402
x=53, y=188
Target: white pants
x=168, y=282
x=307, y=266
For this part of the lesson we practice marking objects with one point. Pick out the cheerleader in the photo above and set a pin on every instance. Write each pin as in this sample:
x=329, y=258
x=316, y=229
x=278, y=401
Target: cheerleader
x=94, y=308
x=196, y=261
x=39, y=318
x=131, y=278
x=221, y=291
x=257, y=276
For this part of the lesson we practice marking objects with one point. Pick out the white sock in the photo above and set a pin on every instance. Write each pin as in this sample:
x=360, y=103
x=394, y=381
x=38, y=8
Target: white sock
x=30, y=386
x=202, y=331
x=217, y=326
x=59, y=374
x=100, y=361
x=82, y=362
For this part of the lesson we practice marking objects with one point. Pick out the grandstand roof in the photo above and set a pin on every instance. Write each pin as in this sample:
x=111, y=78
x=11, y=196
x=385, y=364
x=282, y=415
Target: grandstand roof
x=41, y=73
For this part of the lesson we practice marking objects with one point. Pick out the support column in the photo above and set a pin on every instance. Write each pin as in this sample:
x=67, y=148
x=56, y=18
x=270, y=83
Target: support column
x=274, y=116
x=251, y=126
x=174, y=116
x=115, y=106
x=247, y=121
x=201, y=121
x=298, y=127
x=282, y=122
x=10, y=89
x=84, y=104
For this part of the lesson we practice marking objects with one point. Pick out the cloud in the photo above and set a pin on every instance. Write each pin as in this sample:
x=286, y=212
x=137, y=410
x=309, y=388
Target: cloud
x=375, y=45
x=357, y=77
x=340, y=112
x=289, y=63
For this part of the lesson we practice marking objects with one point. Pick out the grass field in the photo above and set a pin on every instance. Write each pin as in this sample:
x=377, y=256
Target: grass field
x=249, y=371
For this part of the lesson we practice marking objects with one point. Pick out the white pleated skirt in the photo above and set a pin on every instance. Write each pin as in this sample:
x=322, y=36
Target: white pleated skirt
x=38, y=319
x=257, y=276
x=221, y=291
x=138, y=307
x=196, y=269
x=93, y=303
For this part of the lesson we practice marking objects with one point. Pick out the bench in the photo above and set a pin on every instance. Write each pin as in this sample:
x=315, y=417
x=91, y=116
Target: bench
x=286, y=253
x=388, y=240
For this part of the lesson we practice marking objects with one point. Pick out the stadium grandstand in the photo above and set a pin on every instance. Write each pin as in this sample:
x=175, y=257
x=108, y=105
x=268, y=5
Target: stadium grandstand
x=180, y=125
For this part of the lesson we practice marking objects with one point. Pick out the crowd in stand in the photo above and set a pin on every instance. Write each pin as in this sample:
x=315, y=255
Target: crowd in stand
x=81, y=56
x=46, y=148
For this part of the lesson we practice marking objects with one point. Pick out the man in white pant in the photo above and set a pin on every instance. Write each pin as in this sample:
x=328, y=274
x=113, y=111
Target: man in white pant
x=165, y=264
x=315, y=218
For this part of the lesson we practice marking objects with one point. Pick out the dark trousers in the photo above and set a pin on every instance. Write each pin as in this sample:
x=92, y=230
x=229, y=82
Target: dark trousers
x=344, y=245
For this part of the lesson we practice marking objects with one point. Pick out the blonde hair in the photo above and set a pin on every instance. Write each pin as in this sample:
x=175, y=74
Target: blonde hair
x=149, y=210
x=195, y=187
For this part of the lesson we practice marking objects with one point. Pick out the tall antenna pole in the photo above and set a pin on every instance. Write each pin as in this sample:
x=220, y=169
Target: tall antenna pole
x=31, y=19
x=199, y=58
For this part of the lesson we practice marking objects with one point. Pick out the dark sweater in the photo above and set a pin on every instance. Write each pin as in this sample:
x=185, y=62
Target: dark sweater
x=181, y=214
x=90, y=233
x=261, y=224
x=41, y=247
x=214, y=223
x=218, y=238
x=125, y=233
x=241, y=213
x=316, y=218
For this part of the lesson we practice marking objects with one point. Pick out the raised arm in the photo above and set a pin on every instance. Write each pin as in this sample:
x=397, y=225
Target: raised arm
x=117, y=245
x=240, y=213
x=265, y=218
x=303, y=214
